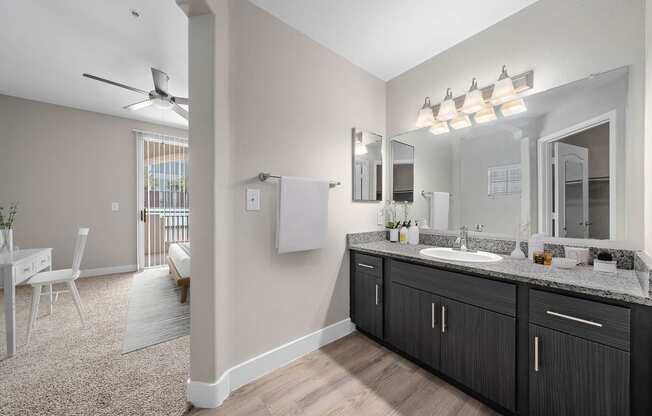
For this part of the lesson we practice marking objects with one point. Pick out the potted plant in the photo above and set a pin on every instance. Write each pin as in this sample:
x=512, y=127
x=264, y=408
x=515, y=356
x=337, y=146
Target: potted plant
x=6, y=228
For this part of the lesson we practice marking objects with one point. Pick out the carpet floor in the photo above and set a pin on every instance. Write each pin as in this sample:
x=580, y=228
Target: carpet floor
x=67, y=370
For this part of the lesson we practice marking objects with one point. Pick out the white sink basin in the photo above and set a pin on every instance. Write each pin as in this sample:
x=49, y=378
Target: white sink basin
x=444, y=253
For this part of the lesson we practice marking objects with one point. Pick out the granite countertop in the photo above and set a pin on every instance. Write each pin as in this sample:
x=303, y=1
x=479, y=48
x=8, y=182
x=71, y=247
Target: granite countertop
x=623, y=286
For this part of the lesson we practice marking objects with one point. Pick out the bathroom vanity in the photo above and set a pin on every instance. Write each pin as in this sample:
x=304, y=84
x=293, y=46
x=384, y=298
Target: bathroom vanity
x=525, y=339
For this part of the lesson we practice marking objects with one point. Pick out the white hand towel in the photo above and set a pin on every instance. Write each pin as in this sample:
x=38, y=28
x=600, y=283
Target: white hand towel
x=439, y=206
x=302, y=214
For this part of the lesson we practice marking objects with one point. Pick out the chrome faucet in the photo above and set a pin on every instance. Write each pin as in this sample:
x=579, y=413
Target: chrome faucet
x=463, y=240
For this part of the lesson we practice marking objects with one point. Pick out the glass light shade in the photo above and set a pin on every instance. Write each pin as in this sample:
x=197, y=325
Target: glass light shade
x=439, y=128
x=503, y=89
x=162, y=104
x=360, y=149
x=513, y=107
x=462, y=121
x=426, y=117
x=473, y=101
x=447, y=109
x=485, y=115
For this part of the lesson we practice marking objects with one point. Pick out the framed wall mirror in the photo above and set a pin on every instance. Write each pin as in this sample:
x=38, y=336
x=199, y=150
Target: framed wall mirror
x=367, y=166
x=557, y=167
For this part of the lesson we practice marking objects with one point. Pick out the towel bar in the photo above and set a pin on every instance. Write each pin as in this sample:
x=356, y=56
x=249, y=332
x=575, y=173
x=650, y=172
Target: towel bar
x=263, y=176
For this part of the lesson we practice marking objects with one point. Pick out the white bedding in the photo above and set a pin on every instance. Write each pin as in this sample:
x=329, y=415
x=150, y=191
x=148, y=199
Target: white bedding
x=181, y=259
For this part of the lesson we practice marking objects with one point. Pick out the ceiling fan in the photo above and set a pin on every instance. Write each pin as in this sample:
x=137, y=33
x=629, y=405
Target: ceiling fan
x=159, y=96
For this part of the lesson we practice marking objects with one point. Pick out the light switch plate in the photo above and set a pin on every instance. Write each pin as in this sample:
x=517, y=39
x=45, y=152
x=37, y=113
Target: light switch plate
x=253, y=199
x=115, y=206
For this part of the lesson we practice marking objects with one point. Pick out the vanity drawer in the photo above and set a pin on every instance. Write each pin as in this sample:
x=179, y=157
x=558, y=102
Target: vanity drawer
x=368, y=264
x=42, y=262
x=24, y=270
x=596, y=321
x=485, y=293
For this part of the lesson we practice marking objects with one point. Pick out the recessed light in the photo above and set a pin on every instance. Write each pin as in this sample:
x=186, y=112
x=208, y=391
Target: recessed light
x=135, y=13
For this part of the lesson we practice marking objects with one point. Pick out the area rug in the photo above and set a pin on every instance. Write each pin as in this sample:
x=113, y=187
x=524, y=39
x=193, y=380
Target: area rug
x=67, y=370
x=155, y=313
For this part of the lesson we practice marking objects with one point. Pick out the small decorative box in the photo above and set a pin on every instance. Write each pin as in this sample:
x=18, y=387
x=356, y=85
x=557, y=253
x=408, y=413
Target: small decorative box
x=604, y=266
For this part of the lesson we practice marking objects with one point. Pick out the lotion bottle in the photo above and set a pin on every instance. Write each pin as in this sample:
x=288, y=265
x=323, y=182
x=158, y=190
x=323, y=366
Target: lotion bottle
x=413, y=234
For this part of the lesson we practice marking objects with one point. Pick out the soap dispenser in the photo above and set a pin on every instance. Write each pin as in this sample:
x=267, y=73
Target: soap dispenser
x=413, y=234
x=403, y=234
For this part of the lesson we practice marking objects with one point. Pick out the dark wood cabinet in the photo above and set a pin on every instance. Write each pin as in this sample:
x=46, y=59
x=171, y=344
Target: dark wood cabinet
x=414, y=325
x=367, y=302
x=478, y=349
x=572, y=376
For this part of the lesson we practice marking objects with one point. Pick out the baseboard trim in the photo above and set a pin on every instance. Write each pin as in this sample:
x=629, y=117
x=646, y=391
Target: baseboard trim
x=108, y=270
x=212, y=395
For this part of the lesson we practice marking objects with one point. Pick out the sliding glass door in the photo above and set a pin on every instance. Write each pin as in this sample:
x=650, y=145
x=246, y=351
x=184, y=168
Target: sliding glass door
x=162, y=196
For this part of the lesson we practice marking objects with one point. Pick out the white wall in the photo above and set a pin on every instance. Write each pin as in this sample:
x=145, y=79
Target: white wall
x=648, y=127
x=562, y=41
x=65, y=167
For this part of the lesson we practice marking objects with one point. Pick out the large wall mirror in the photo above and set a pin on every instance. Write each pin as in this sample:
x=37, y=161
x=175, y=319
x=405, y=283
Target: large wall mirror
x=367, y=166
x=556, y=168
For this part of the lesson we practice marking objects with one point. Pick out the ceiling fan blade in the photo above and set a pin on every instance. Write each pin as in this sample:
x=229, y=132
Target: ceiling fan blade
x=181, y=100
x=180, y=110
x=160, y=81
x=117, y=84
x=139, y=104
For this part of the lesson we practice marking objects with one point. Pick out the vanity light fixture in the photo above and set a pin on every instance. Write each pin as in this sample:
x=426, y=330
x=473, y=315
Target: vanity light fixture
x=485, y=115
x=426, y=117
x=473, y=101
x=447, y=109
x=462, y=121
x=440, y=127
x=513, y=107
x=503, y=89
x=360, y=147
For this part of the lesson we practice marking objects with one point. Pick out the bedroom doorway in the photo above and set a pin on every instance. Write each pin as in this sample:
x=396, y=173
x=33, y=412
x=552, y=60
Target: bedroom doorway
x=162, y=196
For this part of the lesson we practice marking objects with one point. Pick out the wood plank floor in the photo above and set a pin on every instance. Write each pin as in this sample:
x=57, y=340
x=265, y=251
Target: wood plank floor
x=352, y=376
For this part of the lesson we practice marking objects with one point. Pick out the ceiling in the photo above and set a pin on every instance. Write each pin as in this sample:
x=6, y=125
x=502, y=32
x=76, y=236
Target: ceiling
x=388, y=37
x=47, y=45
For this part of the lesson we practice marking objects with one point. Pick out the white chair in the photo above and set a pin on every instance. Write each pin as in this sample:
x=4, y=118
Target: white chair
x=50, y=278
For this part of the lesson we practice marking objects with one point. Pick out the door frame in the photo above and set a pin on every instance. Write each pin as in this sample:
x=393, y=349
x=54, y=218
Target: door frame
x=544, y=170
x=561, y=223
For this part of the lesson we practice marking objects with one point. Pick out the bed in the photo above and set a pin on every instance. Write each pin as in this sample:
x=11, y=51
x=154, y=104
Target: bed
x=179, y=261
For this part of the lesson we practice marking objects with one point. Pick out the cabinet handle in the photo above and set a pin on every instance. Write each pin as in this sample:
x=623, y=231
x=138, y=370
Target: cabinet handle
x=443, y=319
x=536, y=354
x=366, y=266
x=376, y=295
x=572, y=318
x=432, y=315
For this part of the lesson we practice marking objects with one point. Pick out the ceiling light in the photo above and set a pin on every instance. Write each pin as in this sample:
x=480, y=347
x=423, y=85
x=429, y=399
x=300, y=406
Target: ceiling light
x=162, y=103
x=426, y=117
x=447, y=109
x=503, y=89
x=474, y=101
x=462, y=121
x=485, y=115
x=360, y=149
x=440, y=127
x=513, y=107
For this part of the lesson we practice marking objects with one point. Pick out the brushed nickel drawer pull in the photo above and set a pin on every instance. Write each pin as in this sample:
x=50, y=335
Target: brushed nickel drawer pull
x=536, y=354
x=366, y=266
x=443, y=319
x=432, y=315
x=572, y=318
x=376, y=295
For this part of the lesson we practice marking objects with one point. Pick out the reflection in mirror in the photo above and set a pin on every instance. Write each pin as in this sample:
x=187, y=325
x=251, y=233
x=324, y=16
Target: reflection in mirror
x=557, y=167
x=402, y=172
x=367, y=166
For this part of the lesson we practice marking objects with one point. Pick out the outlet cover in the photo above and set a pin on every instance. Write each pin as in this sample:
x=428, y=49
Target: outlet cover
x=115, y=206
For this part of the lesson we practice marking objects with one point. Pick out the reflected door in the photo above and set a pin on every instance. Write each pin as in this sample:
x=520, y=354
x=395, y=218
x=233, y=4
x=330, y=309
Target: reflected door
x=162, y=197
x=572, y=191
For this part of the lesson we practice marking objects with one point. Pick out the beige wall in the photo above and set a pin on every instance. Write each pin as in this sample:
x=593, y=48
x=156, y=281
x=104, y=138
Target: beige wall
x=562, y=41
x=66, y=167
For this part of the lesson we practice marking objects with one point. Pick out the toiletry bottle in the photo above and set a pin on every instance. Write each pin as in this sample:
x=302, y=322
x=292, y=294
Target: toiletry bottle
x=403, y=234
x=413, y=234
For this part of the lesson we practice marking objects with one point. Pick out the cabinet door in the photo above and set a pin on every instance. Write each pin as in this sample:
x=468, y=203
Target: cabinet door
x=478, y=349
x=414, y=323
x=576, y=377
x=368, y=303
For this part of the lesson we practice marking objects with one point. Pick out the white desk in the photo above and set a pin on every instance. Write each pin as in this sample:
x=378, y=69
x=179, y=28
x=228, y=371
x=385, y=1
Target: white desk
x=14, y=270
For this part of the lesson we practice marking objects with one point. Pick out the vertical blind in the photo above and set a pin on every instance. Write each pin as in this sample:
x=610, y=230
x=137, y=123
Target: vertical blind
x=165, y=195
